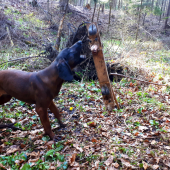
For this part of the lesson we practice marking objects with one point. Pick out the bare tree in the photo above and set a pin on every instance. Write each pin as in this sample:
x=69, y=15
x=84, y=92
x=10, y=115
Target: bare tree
x=110, y=11
x=98, y=12
x=95, y=2
x=48, y=6
x=139, y=19
x=103, y=7
x=167, y=17
x=63, y=4
x=57, y=45
x=161, y=10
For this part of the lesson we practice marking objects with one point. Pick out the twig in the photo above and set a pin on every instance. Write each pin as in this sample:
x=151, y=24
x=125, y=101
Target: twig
x=115, y=74
x=3, y=36
x=9, y=34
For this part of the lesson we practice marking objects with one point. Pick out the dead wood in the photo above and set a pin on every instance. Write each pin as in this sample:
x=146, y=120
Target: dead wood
x=9, y=126
x=115, y=74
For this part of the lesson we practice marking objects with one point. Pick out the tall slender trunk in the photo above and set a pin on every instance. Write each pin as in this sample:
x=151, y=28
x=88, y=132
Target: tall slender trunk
x=48, y=6
x=110, y=12
x=167, y=16
x=57, y=45
x=152, y=5
x=98, y=13
x=139, y=20
x=93, y=12
x=164, y=8
x=103, y=8
x=161, y=11
x=144, y=16
x=119, y=5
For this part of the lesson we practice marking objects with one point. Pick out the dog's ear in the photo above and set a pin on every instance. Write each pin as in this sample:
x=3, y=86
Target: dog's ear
x=64, y=70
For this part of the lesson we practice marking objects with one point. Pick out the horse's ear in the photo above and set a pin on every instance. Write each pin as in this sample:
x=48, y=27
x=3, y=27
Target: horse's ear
x=64, y=70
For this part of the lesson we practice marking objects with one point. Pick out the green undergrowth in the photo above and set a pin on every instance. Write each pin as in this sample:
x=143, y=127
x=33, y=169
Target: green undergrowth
x=140, y=109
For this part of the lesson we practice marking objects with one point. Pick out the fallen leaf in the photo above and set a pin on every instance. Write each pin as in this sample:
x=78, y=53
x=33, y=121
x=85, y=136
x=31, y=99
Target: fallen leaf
x=142, y=128
x=92, y=124
x=166, y=162
x=78, y=148
x=145, y=165
x=2, y=167
x=33, y=160
x=116, y=165
x=22, y=145
x=49, y=144
x=131, y=84
x=97, y=164
x=126, y=163
x=94, y=140
x=109, y=160
x=13, y=149
x=167, y=147
x=155, y=166
x=72, y=159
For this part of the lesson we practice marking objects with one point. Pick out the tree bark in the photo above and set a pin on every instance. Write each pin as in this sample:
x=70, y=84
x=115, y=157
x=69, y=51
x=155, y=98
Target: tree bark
x=167, y=17
x=119, y=5
x=144, y=16
x=164, y=8
x=57, y=45
x=93, y=12
x=110, y=11
x=48, y=6
x=103, y=8
x=161, y=11
x=139, y=20
x=63, y=4
x=98, y=13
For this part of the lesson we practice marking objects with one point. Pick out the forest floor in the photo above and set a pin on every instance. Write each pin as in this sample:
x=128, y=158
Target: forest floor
x=135, y=137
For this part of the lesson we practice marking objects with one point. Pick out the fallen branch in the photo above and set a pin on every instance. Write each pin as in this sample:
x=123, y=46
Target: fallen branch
x=23, y=58
x=115, y=74
x=11, y=126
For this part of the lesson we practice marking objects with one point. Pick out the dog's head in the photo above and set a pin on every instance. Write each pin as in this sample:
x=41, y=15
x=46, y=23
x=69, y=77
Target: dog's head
x=67, y=59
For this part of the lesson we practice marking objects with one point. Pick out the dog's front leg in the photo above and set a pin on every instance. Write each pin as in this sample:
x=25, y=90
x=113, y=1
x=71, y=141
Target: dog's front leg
x=56, y=112
x=42, y=112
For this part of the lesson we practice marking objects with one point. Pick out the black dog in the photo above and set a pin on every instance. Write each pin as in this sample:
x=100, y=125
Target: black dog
x=41, y=87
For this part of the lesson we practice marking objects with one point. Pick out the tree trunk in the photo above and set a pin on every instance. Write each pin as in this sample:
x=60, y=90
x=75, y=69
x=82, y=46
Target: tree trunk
x=119, y=5
x=167, y=17
x=110, y=11
x=164, y=8
x=152, y=5
x=98, y=13
x=144, y=16
x=93, y=12
x=139, y=20
x=48, y=6
x=114, y=4
x=57, y=45
x=63, y=4
x=103, y=8
x=161, y=11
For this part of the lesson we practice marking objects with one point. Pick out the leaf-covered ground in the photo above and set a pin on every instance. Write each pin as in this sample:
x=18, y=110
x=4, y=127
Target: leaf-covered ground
x=136, y=136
